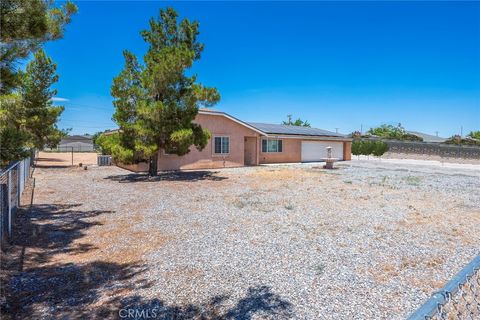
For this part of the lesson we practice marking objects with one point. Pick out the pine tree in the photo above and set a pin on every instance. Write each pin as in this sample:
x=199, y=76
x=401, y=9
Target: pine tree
x=156, y=102
x=39, y=113
x=25, y=26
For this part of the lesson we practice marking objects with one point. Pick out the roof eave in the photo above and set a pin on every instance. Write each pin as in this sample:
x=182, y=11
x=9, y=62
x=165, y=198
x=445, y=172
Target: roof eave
x=226, y=115
x=308, y=137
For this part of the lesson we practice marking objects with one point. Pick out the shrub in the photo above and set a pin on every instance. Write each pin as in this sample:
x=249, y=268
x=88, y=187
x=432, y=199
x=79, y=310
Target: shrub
x=469, y=140
x=107, y=142
x=474, y=135
x=368, y=147
x=380, y=148
x=411, y=137
x=356, y=150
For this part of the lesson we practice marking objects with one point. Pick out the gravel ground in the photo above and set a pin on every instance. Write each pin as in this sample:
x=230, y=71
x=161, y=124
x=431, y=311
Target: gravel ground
x=415, y=156
x=368, y=240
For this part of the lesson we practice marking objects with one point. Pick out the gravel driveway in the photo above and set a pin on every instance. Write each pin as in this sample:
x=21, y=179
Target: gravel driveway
x=368, y=240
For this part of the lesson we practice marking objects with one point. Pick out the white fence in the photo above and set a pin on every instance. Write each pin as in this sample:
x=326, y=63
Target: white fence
x=12, y=183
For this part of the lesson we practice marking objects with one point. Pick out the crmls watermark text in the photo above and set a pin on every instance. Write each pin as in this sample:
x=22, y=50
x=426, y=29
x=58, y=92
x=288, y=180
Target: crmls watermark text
x=132, y=313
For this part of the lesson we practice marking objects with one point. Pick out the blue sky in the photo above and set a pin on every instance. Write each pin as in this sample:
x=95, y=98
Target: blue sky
x=336, y=64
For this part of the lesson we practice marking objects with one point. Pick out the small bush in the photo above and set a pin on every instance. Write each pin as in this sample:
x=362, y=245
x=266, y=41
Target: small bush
x=107, y=142
x=379, y=148
x=356, y=147
x=475, y=135
x=469, y=140
x=369, y=147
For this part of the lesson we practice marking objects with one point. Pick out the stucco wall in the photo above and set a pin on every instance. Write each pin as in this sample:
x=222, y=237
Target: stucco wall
x=347, y=150
x=138, y=167
x=222, y=126
x=218, y=126
x=291, y=152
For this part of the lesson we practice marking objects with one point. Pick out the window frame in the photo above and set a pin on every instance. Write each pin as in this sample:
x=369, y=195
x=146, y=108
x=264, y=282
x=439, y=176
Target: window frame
x=267, y=140
x=213, y=145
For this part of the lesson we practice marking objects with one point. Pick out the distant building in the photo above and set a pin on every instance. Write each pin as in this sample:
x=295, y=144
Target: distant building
x=76, y=143
x=428, y=137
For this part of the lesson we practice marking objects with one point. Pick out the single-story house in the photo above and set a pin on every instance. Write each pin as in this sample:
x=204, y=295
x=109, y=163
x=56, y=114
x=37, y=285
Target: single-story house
x=77, y=143
x=235, y=143
x=428, y=137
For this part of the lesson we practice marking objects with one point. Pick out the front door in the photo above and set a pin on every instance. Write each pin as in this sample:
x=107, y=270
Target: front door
x=250, y=156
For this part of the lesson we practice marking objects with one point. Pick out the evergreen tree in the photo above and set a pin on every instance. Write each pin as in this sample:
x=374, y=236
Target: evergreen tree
x=156, y=102
x=25, y=26
x=40, y=114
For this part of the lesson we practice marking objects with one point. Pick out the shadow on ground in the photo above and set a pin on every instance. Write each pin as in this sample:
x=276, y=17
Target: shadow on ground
x=36, y=286
x=51, y=163
x=50, y=229
x=191, y=176
x=258, y=301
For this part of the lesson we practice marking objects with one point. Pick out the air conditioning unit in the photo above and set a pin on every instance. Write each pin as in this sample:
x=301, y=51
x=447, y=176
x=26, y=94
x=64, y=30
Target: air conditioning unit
x=104, y=160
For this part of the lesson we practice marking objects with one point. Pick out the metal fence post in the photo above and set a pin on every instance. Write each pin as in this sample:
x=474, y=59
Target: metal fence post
x=23, y=174
x=19, y=193
x=9, y=204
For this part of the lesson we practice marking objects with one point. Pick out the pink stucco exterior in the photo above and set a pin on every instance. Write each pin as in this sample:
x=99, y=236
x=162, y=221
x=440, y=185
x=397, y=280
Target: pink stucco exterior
x=291, y=152
x=205, y=159
x=245, y=148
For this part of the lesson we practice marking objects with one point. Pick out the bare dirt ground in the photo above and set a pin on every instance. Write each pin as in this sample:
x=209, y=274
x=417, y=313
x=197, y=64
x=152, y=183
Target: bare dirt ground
x=64, y=159
x=362, y=241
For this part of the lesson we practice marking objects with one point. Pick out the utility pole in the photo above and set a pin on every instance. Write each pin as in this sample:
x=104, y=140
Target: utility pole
x=461, y=131
x=361, y=128
x=72, y=156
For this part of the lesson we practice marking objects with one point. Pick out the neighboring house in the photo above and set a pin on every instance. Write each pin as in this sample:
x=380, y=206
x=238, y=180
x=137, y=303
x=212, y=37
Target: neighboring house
x=427, y=137
x=236, y=143
x=76, y=143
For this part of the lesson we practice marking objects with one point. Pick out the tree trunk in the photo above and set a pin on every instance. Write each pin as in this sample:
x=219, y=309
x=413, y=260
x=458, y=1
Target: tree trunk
x=153, y=165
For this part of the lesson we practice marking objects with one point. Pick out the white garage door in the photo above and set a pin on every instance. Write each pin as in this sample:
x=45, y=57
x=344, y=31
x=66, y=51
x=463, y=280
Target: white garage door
x=317, y=150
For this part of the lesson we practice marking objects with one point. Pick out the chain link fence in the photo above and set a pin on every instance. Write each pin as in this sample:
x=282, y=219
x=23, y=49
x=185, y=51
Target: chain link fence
x=13, y=180
x=72, y=148
x=458, y=299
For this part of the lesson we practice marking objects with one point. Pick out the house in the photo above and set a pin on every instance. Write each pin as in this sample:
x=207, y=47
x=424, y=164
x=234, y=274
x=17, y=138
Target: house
x=428, y=137
x=76, y=143
x=236, y=143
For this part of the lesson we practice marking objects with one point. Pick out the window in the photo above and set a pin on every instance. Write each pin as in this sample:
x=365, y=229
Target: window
x=222, y=145
x=271, y=145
